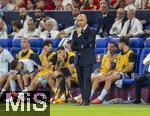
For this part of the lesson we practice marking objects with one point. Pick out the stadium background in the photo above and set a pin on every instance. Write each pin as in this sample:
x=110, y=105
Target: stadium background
x=139, y=45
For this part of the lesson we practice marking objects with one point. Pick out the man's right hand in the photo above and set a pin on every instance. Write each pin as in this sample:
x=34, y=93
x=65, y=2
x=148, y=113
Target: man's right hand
x=79, y=30
x=108, y=53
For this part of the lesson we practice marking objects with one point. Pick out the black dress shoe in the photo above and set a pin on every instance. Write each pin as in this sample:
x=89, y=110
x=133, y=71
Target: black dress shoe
x=137, y=102
x=86, y=103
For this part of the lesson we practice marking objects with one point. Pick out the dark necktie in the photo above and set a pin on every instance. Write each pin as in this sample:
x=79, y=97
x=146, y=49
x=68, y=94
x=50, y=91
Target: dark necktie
x=129, y=27
x=49, y=35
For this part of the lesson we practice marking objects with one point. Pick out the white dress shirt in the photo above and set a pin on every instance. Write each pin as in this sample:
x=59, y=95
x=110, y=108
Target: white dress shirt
x=116, y=27
x=147, y=58
x=3, y=34
x=44, y=35
x=25, y=23
x=18, y=34
x=135, y=29
x=31, y=34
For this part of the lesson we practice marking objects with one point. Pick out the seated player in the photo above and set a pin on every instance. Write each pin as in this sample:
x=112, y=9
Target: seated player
x=141, y=79
x=124, y=68
x=5, y=59
x=26, y=52
x=47, y=62
x=107, y=65
x=20, y=70
x=67, y=60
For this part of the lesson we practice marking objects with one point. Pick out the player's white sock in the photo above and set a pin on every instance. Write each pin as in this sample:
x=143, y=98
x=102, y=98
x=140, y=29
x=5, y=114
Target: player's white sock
x=103, y=94
x=63, y=96
x=92, y=93
x=13, y=85
x=25, y=90
x=2, y=92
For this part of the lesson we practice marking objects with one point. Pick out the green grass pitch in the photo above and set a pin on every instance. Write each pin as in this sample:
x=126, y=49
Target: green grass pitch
x=99, y=110
x=92, y=110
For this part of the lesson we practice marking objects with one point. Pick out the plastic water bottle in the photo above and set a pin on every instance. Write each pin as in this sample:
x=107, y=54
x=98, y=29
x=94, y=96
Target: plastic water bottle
x=129, y=98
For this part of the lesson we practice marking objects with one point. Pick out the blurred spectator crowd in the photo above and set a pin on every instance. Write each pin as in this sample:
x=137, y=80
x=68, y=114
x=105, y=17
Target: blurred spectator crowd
x=68, y=5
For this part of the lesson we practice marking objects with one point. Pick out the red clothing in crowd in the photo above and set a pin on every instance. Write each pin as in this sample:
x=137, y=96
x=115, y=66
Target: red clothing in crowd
x=49, y=5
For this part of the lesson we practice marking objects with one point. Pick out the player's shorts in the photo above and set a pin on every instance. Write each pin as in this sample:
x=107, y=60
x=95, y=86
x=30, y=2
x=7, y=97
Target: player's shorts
x=124, y=75
x=96, y=75
x=43, y=81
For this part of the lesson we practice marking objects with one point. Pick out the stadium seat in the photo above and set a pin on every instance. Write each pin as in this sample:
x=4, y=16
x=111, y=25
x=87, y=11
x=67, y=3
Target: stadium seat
x=101, y=52
x=102, y=42
x=16, y=43
x=36, y=42
x=147, y=43
x=142, y=67
x=116, y=40
x=128, y=81
x=36, y=50
x=55, y=42
x=14, y=50
x=6, y=43
x=138, y=53
x=136, y=42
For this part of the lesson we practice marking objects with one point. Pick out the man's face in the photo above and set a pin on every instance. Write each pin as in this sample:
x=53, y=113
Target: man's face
x=40, y=4
x=90, y=1
x=48, y=48
x=81, y=21
x=22, y=12
x=31, y=25
x=58, y=2
x=130, y=15
x=24, y=44
x=111, y=47
x=121, y=45
x=37, y=12
x=120, y=13
x=61, y=54
x=104, y=9
x=49, y=26
x=30, y=5
x=68, y=46
x=75, y=12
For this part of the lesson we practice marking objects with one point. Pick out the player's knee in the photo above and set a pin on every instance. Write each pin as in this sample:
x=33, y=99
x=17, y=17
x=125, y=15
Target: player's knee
x=11, y=77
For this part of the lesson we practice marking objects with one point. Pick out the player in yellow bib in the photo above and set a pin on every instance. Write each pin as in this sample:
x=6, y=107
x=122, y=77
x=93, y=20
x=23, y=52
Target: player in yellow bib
x=124, y=68
x=65, y=59
x=107, y=65
x=47, y=62
x=26, y=52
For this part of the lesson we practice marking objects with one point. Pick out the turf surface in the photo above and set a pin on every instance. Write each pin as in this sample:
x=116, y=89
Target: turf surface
x=92, y=110
x=99, y=110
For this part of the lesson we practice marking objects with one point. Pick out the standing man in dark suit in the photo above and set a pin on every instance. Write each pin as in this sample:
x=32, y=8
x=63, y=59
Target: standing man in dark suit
x=83, y=43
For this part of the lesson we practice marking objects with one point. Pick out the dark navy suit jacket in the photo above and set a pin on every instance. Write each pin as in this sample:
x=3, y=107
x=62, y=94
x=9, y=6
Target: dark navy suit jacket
x=84, y=55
